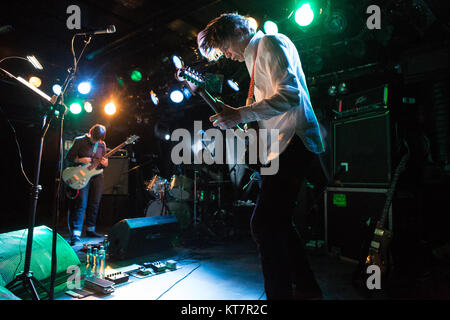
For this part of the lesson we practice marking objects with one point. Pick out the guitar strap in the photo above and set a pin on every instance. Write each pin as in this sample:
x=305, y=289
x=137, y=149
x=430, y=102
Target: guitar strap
x=251, y=88
x=94, y=150
x=251, y=99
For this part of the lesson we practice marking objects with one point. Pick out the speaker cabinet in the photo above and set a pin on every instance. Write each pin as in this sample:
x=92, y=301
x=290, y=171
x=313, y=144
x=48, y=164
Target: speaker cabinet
x=362, y=150
x=115, y=176
x=139, y=236
x=12, y=259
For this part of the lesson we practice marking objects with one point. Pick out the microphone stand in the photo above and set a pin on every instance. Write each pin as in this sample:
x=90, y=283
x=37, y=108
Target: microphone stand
x=26, y=278
x=57, y=192
x=57, y=104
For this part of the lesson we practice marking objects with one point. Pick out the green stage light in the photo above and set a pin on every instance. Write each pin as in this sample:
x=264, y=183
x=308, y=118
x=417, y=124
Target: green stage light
x=75, y=108
x=136, y=75
x=270, y=27
x=304, y=15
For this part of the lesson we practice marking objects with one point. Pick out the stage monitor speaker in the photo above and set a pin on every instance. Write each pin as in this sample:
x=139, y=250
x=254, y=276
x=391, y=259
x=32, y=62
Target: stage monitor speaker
x=139, y=236
x=12, y=259
x=115, y=176
x=5, y=294
x=362, y=150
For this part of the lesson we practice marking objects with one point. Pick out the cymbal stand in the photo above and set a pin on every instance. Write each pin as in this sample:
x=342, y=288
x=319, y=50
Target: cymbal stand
x=195, y=198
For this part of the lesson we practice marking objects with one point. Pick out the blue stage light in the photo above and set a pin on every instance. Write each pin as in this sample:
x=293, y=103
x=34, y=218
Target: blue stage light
x=56, y=89
x=176, y=96
x=84, y=87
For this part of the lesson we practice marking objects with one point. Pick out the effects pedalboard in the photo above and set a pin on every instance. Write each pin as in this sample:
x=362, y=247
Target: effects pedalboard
x=157, y=267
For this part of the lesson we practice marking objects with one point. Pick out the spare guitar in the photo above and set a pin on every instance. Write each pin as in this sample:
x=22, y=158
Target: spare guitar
x=379, y=246
x=78, y=177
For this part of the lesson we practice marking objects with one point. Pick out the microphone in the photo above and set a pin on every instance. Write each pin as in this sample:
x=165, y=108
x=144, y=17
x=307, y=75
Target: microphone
x=109, y=29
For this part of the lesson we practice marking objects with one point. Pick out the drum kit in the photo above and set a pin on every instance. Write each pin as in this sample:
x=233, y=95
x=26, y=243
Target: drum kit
x=170, y=197
x=188, y=199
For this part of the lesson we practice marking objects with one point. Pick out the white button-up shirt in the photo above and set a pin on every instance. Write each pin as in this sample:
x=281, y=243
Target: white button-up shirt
x=281, y=95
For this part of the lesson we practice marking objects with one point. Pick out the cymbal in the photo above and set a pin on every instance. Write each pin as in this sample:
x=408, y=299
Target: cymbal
x=219, y=181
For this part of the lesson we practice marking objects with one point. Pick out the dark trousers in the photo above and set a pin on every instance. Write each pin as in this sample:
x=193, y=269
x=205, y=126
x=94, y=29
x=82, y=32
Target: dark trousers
x=281, y=250
x=87, y=202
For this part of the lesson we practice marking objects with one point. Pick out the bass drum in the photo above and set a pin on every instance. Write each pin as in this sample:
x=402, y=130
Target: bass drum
x=180, y=209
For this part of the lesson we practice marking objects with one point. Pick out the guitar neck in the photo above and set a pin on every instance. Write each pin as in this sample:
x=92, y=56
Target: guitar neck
x=390, y=193
x=209, y=100
x=111, y=152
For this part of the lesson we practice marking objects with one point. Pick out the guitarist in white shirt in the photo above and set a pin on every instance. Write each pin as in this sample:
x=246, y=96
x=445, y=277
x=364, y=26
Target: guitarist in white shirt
x=280, y=101
x=86, y=149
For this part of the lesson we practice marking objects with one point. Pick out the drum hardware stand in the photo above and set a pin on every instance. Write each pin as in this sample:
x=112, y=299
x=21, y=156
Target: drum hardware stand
x=195, y=198
x=219, y=210
x=162, y=197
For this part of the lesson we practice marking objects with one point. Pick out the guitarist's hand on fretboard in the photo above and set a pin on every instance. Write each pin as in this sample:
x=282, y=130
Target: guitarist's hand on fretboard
x=104, y=162
x=228, y=118
x=96, y=162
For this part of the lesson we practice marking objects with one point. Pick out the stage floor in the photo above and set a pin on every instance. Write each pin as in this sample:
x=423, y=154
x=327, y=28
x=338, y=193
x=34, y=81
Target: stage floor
x=218, y=270
x=229, y=269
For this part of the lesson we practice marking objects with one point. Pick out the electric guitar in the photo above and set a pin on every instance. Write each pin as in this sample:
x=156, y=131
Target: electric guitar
x=379, y=246
x=378, y=252
x=197, y=85
x=78, y=177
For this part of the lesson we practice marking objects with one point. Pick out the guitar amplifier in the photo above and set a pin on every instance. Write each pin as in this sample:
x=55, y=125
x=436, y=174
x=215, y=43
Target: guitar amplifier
x=115, y=176
x=362, y=150
x=370, y=100
x=348, y=213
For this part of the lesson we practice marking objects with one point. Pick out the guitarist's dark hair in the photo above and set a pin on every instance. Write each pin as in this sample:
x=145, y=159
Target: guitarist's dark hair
x=98, y=132
x=222, y=29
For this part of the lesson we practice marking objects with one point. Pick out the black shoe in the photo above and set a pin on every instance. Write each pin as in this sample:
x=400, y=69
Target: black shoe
x=93, y=234
x=310, y=292
x=75, y=241
x=307, y=294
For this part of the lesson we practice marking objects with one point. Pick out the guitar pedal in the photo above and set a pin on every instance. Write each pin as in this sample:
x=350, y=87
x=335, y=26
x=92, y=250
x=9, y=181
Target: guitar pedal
x=171, y=265
x=157, y=266
x=117, y=277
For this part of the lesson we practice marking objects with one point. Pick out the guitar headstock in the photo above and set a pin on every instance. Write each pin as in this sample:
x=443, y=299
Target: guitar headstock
x=131, y=139
x=191, y=77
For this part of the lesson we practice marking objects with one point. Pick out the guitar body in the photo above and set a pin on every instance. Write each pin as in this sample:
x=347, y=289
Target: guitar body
x=378, y=250
x=375, y=251
x=78, y=177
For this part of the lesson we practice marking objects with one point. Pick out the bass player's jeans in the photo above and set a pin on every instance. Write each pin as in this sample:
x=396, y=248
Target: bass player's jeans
x=87, y=202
